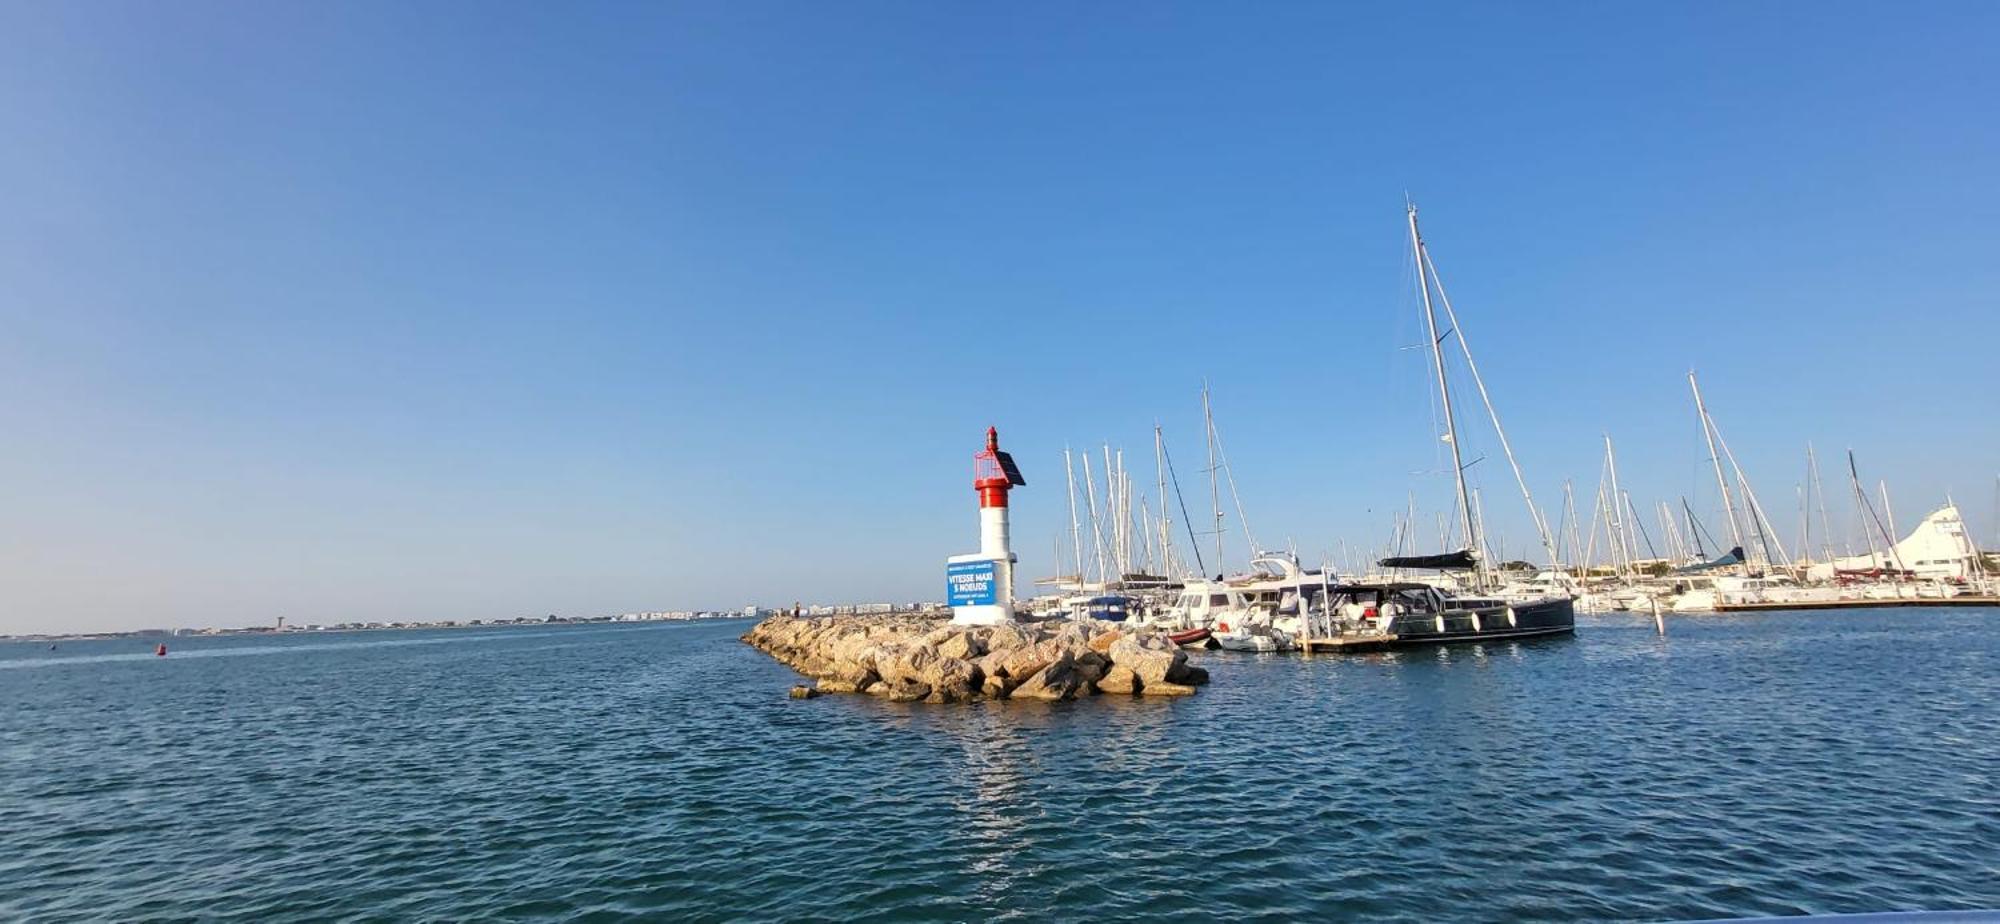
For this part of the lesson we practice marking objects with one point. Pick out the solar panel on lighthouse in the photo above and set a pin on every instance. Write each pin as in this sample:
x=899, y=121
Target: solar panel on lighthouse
x=1007, y=466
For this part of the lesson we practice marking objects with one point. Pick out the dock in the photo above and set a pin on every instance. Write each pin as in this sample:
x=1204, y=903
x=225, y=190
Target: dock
x=1861, y=604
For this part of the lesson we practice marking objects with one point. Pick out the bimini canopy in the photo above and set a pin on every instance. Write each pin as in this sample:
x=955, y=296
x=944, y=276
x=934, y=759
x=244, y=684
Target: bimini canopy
x=1735, y=557
x=1461, y=560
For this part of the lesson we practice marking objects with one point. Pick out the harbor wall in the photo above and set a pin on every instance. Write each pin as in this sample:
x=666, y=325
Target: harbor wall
x=909, y=657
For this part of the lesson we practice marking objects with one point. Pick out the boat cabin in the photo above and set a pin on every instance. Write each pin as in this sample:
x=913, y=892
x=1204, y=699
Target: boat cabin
x=1203, y=601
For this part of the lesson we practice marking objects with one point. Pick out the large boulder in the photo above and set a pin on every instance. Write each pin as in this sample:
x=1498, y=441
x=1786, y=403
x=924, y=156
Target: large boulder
x=1059, y=680
x=1167, y=689
x=1009, y=636
x=1074, y=634
x=961, y=645
x=951, y=680
x=907, y=662
x=1150, y=665
x=1027, y=661
x=908, y=691
x=1118, y=679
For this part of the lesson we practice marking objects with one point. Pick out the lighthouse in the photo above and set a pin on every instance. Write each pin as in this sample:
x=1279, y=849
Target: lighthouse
x=980, y=587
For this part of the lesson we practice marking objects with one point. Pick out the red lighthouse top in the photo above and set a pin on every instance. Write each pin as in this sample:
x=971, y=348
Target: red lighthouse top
x=994, y=472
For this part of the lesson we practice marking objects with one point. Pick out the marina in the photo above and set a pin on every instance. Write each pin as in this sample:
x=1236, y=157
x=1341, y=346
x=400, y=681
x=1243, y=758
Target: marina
x=599, y=462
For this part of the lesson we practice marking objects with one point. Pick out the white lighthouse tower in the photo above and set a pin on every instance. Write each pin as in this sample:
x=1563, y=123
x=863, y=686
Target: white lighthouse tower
x=980, y=587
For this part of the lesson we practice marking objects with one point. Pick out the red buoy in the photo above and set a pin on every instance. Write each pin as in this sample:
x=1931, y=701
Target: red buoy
x=161, y=651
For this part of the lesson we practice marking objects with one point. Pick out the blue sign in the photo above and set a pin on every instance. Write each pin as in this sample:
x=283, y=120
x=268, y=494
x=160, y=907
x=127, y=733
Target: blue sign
x=971, y=583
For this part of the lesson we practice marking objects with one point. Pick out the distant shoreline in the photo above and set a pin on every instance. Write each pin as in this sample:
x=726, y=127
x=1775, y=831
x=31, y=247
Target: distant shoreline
x=157, y=634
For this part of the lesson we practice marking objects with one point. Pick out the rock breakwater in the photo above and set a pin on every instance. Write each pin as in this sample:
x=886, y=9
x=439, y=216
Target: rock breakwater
x=910, y=658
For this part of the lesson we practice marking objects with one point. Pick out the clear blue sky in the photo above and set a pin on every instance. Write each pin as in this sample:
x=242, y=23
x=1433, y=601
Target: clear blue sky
x=374, y=311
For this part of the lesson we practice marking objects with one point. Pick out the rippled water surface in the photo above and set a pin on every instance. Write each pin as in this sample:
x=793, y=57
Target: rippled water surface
x=1767, y=764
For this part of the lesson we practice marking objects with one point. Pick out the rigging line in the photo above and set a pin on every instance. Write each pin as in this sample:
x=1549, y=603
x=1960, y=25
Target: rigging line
x=1187, y=521
x=1863, y=495
x=1534, y=514
x=1222, y=453
x=1700, y=532
x=1642, y=527
x=1766, y=531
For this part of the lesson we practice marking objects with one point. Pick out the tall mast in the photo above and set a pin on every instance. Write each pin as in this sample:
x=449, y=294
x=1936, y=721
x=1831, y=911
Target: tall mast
x=1112, y=554
x=1214, y=489
x=1160, y=463
x=1096, y=525
x=1075, y=529
x=1125, y=518
x=1888, y=511
x=1618, y=503
x=1444, y=392
x=1722, y=483
x=1569, y=517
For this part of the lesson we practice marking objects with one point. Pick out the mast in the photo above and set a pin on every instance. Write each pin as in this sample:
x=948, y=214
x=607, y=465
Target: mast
x=1893, y=531
x=1618, y=502
x=1113, y=511
x=1569, y=520
x=1075, y=529
x=1444, y=392
x=1596, y=513
x=1096, y=526
x=1146, y=562
x=1160, y=463
x=1214, y=489
x=1708, y=434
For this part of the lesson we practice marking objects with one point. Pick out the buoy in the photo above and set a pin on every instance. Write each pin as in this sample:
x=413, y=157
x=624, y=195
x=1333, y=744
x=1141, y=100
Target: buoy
x=161, y=651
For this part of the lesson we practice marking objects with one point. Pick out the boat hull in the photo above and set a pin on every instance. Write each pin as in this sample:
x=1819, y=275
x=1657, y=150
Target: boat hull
x=1192, y=638
x=1554, y=616
x=1250, y=643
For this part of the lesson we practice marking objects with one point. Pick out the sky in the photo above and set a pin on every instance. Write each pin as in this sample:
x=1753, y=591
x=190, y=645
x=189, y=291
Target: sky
x=390, y=311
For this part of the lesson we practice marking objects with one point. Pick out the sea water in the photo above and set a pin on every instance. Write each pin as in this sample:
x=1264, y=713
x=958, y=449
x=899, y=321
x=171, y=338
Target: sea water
x=1758, y=764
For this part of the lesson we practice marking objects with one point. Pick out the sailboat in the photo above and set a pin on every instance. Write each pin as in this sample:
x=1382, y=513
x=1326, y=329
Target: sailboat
x=1399, y=613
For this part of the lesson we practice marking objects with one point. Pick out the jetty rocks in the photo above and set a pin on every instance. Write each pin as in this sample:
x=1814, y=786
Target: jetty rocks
x=910, y=658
